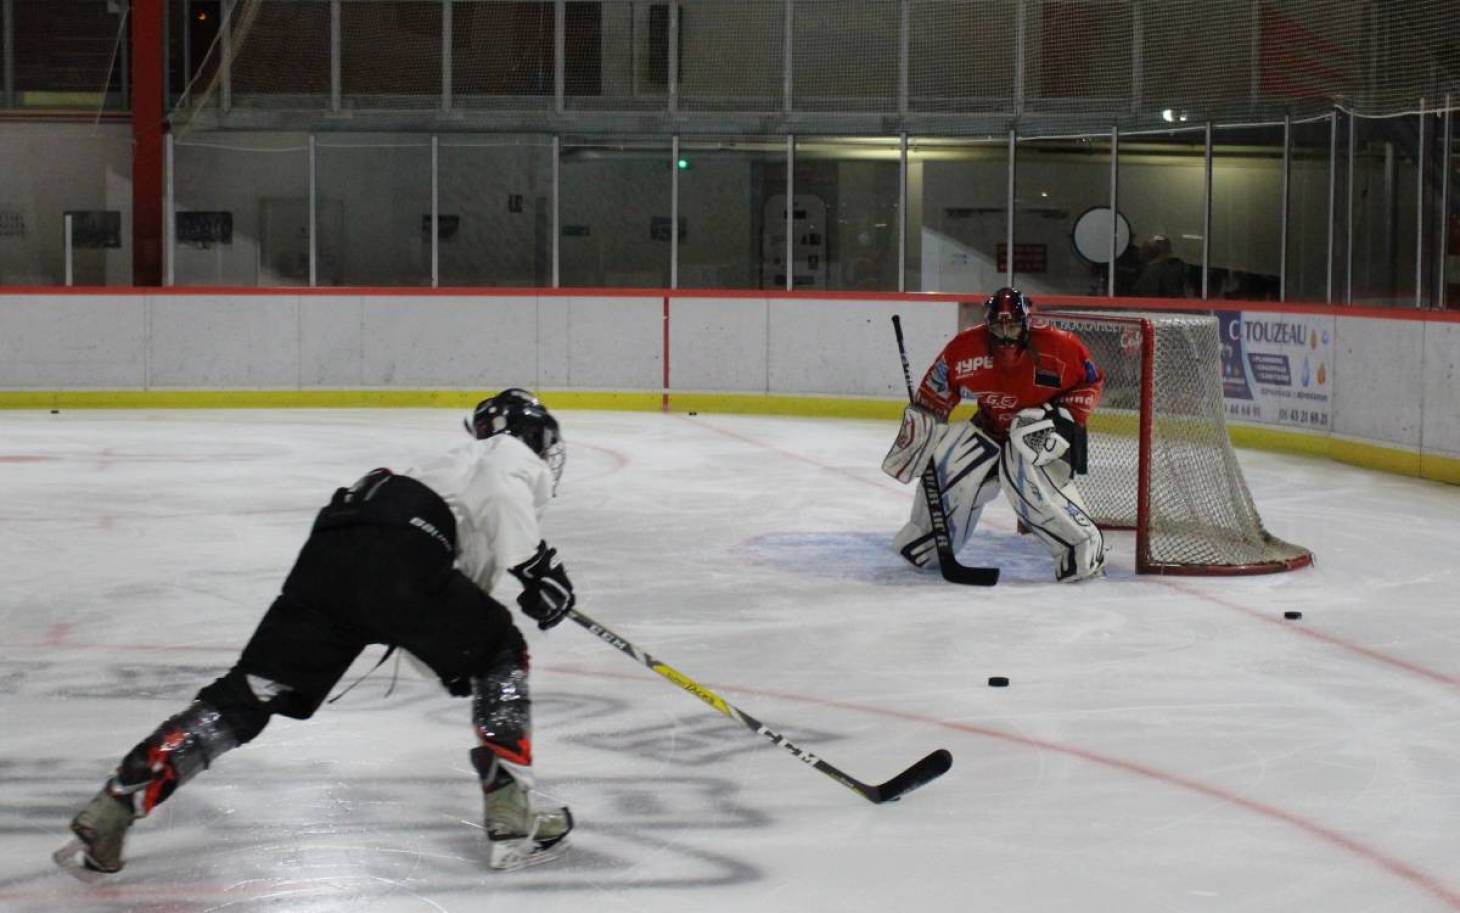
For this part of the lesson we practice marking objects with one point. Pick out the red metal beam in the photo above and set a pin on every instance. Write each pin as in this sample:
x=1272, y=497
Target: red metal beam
x=148, y=60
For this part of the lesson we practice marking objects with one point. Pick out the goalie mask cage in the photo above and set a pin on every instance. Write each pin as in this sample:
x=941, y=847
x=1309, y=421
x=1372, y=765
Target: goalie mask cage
x=1160, y=461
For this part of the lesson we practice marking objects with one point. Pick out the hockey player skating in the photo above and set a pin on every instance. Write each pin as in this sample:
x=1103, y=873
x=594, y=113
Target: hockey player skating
x=1035, y=386
x=407, y=560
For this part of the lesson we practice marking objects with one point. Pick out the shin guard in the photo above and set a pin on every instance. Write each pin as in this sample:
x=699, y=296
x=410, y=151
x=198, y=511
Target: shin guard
x=1049, y=505
x=501, y=709
x=967, y=461
x=177, y=751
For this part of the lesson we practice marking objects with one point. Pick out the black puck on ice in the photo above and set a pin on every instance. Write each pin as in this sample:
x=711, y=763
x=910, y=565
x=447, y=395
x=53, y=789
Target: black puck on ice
x=998, y=681
x=1292, y=616
x=55, y=411
x=694, y=413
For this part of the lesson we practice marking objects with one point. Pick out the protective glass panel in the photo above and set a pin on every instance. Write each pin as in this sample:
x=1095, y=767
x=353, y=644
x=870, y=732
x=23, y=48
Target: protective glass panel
x=496, y=211
x=1078, y=54
x=732, y=213
x=1247, y=209
x=50, y=170
x=1059, y=183
x=845, y=229
x=66, y=54
x=1385, y=194
x=390, y=53
x=1432, y=214
x=1079, y=64
x=615, y=208
x=1308, y=211
x=279, y=56
x=617, y=56
x=844, y=55
x=957, y=193
x=373, y=210
x=1451, y=247
x=242, y=209
x=1162, y=178
x=520, y=70
x=961, y=55
x=749, y=33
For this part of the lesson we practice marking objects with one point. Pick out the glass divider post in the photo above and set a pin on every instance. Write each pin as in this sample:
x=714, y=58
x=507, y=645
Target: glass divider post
x=1114, y=211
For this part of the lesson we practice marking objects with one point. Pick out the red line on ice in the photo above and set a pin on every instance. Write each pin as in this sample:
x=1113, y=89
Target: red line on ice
x=1394, y=866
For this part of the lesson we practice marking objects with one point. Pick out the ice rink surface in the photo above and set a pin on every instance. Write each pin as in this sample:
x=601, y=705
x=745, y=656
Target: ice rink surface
x=1166, y=744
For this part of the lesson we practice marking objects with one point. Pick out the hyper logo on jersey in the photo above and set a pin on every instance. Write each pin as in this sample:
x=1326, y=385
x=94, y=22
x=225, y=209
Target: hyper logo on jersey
x=969, y=365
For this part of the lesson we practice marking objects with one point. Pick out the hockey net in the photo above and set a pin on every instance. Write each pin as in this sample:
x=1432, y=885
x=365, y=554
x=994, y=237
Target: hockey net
x=1160, y=461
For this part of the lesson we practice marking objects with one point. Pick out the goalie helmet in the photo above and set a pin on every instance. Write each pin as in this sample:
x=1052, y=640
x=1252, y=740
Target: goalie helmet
x=517, y=412
x=1006, y=314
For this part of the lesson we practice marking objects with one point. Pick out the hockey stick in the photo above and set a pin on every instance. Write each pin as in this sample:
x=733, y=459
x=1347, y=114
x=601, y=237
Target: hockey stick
x=953, y=572
x=924, y=771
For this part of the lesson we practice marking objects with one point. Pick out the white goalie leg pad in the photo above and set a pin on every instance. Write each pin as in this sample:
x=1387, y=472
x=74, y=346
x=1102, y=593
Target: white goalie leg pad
x=1046, y=500
x=968, y=463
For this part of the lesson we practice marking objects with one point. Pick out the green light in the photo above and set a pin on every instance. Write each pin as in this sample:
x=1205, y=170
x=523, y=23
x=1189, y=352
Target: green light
x=683, y=164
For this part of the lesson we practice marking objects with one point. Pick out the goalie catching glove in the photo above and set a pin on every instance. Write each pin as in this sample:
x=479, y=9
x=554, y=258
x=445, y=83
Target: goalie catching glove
x=1043, y=434
x=547, y=593
x=920, y=432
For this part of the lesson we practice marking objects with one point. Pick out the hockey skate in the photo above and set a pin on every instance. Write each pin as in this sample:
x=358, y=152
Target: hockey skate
x=100, y=829
x=518, y=834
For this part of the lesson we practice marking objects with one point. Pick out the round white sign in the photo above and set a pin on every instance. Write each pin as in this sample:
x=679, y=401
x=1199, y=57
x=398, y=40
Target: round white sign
x=1092, y=234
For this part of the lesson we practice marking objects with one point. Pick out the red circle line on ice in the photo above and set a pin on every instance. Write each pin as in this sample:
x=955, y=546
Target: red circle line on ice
x=1397, y=867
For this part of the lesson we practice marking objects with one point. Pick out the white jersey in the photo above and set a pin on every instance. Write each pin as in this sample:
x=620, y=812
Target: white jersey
x=497, y=490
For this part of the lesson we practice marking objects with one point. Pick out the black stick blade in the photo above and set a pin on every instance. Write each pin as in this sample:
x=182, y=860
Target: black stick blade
x=923, y=772
x=971, y=576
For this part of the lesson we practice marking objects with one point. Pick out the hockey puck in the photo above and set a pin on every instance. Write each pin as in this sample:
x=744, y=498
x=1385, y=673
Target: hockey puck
x=55, y=411
x=1292, y=616
x=694, y=413
x=998, y=681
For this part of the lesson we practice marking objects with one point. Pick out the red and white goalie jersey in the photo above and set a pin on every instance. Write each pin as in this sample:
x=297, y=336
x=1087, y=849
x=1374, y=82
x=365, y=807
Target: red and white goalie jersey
x=1055, y=367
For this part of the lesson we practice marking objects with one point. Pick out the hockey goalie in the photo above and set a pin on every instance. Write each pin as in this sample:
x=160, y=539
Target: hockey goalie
x=1035, y=386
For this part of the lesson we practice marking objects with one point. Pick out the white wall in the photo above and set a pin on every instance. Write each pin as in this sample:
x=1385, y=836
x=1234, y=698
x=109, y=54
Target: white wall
x=1393, y=381
x=1378, y=380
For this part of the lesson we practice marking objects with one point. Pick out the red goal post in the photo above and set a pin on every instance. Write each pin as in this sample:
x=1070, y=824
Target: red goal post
x=1160, y=459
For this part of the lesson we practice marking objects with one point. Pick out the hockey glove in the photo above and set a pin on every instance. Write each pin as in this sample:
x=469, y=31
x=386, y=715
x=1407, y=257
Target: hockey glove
x=547, y=593
x=1041, y=435
x=920, y=432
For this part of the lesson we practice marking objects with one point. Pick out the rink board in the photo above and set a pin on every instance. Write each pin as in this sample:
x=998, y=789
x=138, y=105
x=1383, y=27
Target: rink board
x=1388, y=376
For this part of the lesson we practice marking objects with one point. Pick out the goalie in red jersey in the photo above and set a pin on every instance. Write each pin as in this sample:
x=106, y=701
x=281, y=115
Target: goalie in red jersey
x=1035, y=386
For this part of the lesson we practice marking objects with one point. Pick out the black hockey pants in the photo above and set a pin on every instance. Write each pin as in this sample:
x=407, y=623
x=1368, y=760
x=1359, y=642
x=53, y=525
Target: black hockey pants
x=376, y=571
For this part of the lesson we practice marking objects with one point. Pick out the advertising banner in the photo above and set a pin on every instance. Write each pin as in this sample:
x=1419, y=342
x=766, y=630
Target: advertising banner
x=1276, y=368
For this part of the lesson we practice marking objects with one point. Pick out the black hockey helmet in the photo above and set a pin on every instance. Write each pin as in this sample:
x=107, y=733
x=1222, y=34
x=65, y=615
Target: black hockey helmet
x=1006, y=314
x=518, y=412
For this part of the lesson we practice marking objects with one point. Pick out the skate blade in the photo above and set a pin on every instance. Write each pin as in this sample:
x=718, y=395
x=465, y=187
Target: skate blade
x=510, y=855
x=71, y=858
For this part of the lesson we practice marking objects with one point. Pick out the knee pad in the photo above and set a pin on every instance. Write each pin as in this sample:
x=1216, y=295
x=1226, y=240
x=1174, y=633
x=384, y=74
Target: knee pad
x=245, y=702
x=173, y=754
x=501, y=708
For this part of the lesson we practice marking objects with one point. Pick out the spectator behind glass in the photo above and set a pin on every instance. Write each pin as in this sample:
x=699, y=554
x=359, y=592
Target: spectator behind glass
x=1164, y=275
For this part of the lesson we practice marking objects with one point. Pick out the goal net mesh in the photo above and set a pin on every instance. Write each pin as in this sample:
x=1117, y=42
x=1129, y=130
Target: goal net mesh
x=1198, y=515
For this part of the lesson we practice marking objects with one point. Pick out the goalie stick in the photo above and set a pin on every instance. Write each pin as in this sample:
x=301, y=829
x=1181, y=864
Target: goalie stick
x=953, y=572
x=924, y=771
